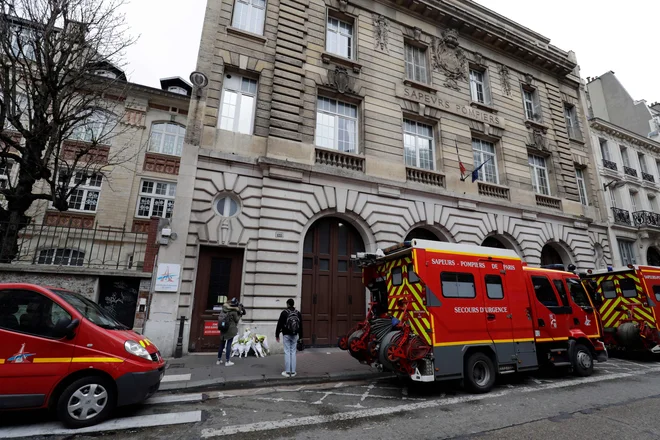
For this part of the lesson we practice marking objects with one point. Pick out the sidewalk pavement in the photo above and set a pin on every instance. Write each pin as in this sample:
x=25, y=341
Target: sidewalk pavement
x=314, y=365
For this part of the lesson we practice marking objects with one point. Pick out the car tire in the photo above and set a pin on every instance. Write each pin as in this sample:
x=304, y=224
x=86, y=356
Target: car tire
x=86, y=402
x=582, y=361
x=479, y=373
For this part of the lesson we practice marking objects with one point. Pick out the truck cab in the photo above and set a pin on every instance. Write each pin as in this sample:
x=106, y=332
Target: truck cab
x=466, y=312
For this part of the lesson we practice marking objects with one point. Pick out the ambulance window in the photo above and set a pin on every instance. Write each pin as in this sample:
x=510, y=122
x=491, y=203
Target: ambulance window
x=494, y=287
x=457, y=285
x=544, y=292
x=577, y=293
x=656, y=290
x=628, y=288
x=397, y=276
x=559, y=285
x=412, y=276
x=30, y=312
x=608, y=289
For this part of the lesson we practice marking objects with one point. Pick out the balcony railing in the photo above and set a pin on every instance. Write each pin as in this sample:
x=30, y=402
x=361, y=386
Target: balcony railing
x=340, y=160
x=97, y=247
x=648, y=177
x=646, y=218
x=621, y=216
x=630, y=171
x=609, y=165
x=427, y=177
x=491, y=190
x=548, y=202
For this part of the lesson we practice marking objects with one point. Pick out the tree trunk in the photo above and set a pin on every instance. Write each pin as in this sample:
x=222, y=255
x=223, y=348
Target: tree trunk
x=9, y=232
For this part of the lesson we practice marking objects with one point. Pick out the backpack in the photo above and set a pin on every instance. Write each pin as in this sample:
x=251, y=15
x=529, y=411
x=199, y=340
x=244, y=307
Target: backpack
x=223, y=321
x=292, y=322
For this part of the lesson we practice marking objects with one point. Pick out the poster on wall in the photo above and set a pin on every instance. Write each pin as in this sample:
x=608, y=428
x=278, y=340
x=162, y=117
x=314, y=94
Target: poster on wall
x=211, y=328
x=167, y=277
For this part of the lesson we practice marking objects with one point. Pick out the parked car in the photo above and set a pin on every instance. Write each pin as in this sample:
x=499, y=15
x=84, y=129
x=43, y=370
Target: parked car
x=62, y=351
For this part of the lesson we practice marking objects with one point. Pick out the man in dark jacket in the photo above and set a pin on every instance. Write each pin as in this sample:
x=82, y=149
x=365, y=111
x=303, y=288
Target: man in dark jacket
x=290, y=325
x=232, y=309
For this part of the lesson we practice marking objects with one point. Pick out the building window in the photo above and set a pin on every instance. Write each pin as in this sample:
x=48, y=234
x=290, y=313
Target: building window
x=85, y=198
x=24, y=42
x=418, y=144
x=339, y=38
x=532, y=105
x=416, y=67
x=61, y=257
x=642, y=163
x=572, y=125
x=634, y=201
x=479, y=86
x=95, y=128
x=627, y=251
x=624, y=156
x=238, y=104
x=582, y=187
x=336, y=125
x=156, y=199
x=653, y=203
x=249, y=15
x=484, y=153
x=613, y=197
x=178, y=90
x=167, y=138
x=106, y=74
x=604, y=150
x=539, y=171
x=226, y=206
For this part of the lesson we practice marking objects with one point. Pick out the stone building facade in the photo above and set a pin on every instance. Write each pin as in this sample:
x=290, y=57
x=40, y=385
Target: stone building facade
x=329, y=127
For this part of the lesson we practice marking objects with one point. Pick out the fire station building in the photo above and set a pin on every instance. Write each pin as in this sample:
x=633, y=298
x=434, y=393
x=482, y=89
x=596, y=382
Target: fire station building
x=330, y=127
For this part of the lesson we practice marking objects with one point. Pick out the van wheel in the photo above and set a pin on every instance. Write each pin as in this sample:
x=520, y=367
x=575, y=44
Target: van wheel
x=479, y=373
x=86, y=402
x=583, y=361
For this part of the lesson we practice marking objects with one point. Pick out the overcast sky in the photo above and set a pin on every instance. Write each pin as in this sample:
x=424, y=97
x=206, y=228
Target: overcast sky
x=606, y=35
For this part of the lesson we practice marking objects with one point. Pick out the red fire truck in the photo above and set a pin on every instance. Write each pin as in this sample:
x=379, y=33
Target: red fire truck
x=443, y=311
x=629, y=301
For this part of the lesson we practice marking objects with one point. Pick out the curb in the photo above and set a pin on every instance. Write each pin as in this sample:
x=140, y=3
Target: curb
x=259, y=382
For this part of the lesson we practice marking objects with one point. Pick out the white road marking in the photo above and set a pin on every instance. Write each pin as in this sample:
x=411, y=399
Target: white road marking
x=174, y=398
x=339, y=385
x=320, y=401
x=111, y=425
x=366, y=393
x=176, y=378
x=362, y=396
x=373, y=412
x=637, y=364
x=280, y=399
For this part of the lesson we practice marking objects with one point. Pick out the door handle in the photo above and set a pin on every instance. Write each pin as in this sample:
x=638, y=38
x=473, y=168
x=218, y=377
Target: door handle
x=576, y=321
x=490, y=317
x=510, y=315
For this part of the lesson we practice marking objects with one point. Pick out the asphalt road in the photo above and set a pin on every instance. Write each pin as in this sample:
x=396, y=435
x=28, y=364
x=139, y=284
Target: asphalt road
x=620, y=401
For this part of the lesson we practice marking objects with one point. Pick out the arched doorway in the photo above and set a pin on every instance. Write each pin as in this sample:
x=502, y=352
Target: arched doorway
x=652, y=256
x=333, y=296
x=494, y=242
x=550, y=255
x=422, y=234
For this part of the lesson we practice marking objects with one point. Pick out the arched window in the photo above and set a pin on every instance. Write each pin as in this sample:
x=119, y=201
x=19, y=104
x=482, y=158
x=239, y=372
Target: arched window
x=61, y=257
x=95, y=128
x=167, y=138
x=106, y=74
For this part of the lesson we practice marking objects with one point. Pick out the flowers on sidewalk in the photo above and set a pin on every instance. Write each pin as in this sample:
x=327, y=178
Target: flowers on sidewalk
x=250, y=342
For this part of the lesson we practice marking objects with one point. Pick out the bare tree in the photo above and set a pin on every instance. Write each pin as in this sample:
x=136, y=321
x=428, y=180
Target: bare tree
x=59, y=107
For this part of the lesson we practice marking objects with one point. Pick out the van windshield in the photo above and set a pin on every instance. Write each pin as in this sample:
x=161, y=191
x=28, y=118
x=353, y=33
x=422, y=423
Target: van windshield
x=90, y=310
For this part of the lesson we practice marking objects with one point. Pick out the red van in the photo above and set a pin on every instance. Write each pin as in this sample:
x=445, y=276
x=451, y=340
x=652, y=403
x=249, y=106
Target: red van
x=61, y=351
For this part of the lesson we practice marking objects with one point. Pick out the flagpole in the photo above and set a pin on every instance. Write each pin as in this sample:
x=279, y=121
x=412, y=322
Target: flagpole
x=463, y=177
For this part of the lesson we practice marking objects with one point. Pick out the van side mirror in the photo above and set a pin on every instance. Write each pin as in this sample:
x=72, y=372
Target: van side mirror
x=65, y=327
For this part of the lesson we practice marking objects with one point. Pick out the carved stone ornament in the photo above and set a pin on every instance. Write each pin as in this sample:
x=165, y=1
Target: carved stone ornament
x=449, y=58
x=381, y=32
x=340, y=79
x=343, y=4
x=537, y=140
x=529, y=79
x=478, y=58
x=505, y=78
x=417, y=33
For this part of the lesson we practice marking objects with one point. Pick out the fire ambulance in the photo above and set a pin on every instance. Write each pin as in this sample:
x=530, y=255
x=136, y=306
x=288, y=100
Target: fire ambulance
x=444, y=311
x=629, y=300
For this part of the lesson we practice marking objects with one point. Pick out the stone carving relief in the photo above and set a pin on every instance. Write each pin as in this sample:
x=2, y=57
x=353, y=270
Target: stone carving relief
x=340, y=79
x=529, y=79
x=505, y=79
x=417, y=33
x=478, y=58
x=381, y=32
x=537, y=140
x=343, y=4
x=449, y=58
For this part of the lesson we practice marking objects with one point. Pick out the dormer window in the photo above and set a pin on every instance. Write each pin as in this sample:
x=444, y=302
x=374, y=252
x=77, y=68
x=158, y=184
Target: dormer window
x=106, y=74
x=178, y=90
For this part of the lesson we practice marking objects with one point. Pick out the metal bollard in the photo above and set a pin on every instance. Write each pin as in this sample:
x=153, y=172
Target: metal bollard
x=178, y=352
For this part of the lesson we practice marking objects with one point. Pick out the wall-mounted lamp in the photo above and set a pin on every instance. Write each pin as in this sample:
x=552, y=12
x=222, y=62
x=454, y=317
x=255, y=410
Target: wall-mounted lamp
x=614, y=184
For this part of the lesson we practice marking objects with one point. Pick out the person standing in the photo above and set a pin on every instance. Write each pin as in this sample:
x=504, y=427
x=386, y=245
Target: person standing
x=290, y=325
x=228, y=326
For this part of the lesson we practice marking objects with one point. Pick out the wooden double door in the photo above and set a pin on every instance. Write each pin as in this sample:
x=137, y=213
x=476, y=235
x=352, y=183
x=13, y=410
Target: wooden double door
x=219, y=274
x=333, y=296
